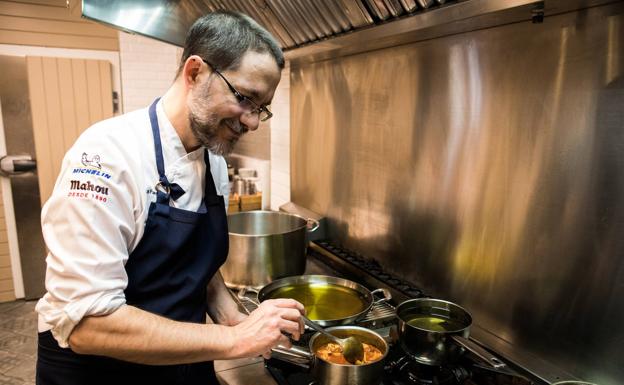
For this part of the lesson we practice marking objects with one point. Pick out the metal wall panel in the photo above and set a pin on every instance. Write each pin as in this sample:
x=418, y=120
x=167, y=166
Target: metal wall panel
x=487, y=166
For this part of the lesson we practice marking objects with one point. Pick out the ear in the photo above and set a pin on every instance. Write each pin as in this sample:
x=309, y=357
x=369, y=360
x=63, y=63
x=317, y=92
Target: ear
x=193, y=66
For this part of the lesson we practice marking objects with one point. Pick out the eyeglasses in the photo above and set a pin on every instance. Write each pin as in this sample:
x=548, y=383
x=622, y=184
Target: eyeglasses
x=244, y=101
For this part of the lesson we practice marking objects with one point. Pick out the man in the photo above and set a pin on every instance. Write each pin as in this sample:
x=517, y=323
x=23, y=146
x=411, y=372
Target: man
x=136, y=227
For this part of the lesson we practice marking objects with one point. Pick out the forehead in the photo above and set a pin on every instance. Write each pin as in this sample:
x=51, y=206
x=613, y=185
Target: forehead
x=257, y=76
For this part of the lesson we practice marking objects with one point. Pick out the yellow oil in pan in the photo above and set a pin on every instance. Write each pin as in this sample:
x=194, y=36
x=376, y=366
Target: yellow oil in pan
x=324, y=301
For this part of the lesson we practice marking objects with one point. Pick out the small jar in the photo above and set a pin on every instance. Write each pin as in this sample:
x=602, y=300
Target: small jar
x=238, y=186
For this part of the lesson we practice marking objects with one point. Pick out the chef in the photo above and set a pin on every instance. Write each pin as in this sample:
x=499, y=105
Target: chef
x=136, y=227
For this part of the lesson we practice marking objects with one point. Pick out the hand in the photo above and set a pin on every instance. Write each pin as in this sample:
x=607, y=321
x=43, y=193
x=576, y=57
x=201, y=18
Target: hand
x=267, y=327
x=237, y=318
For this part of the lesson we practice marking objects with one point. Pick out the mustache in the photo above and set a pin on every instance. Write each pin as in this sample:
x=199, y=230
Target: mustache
x=237, y=127
x=206, y=131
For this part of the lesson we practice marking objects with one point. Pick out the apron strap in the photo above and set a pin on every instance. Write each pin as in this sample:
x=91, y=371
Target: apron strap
x=160, y=164
x=209, y=187
x=164, y=189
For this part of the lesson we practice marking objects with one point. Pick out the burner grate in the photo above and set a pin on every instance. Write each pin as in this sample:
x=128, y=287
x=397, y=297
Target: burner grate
x=363, y=270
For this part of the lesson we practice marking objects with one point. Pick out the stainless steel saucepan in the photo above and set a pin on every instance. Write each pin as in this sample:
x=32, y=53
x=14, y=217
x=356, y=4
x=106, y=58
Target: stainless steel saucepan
x=435, y=332
x=328, y=373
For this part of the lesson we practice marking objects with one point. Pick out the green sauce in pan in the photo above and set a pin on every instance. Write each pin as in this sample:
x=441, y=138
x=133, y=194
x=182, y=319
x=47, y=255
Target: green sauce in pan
x=324, y=301
x=435, y=324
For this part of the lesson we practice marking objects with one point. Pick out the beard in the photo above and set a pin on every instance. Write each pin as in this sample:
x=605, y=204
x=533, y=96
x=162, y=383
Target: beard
x=206, y=125
x=206, y=131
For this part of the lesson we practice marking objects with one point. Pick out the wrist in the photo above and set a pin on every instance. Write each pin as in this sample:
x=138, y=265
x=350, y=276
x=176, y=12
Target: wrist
x=237, y=318
x=232, y=347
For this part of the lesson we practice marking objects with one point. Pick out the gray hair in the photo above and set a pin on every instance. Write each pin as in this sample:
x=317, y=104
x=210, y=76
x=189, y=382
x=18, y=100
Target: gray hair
x=223, y=37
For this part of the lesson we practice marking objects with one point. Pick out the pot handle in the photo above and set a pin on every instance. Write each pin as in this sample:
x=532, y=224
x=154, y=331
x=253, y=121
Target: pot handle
x=312, y=225
x=243, y=298
x=477, y=350
x=244, y=290
x=295, y=355
x=386, y=295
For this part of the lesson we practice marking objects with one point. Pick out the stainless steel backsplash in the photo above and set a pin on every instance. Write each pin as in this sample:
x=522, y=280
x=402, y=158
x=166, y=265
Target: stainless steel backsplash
x=488, y=167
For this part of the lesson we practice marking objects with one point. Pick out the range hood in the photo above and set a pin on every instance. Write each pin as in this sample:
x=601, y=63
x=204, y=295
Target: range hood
x=312, y=30
x=292, y=22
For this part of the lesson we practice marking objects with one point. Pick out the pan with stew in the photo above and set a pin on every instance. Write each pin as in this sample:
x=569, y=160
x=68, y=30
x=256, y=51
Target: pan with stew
x=325, y=362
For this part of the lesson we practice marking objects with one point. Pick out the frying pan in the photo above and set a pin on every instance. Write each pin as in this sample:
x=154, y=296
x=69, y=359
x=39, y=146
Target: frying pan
x=329, y=301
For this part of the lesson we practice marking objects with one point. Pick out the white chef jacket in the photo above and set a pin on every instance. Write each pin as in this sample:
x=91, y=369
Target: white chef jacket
x=96, y=214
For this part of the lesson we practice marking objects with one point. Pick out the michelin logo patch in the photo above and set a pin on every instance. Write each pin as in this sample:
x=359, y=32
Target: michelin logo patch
x=92, y=172
x=93, y=162
x=92, y=166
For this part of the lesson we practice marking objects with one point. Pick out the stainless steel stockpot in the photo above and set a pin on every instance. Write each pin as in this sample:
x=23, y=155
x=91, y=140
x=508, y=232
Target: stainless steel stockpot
x=327, y=373
x=264, y=246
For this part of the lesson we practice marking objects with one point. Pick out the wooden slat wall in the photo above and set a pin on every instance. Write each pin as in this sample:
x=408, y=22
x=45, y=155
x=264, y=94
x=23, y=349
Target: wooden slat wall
x=66, y=97
x=51, y=24
x=6, y=281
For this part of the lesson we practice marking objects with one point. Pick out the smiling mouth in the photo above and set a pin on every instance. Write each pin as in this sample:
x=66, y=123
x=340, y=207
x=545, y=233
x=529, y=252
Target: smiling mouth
x=237, y=129
x=234, y=133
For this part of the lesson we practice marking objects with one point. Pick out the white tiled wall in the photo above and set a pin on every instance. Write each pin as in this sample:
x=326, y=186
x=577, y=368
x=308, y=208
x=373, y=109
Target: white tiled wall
x=148, y=67
x=280, y=142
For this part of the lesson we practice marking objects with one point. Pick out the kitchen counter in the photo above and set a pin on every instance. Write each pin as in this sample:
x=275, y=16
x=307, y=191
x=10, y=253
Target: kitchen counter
x=247, y=371
x=243, y=372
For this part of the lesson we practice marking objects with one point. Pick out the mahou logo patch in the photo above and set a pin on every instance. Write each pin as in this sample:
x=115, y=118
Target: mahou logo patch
x=88, y=186
x=87, y=190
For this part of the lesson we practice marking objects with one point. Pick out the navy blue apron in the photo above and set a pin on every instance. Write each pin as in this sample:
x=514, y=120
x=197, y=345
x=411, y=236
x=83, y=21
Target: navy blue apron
x=167, y=275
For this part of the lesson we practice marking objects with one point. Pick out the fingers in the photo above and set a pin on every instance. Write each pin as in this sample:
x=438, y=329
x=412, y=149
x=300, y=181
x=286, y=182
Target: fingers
x=292, y=328
x=271, y=324
x=290, y=314
x=300, y=326
x=286, y=303
x=284, y=342
x=287, y=310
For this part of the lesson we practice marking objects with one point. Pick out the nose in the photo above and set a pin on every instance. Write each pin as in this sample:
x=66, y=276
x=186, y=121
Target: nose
x=250, y=120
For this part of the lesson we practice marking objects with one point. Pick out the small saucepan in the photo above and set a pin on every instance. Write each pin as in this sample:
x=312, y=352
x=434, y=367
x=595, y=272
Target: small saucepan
x=329, y=373
x=435, y=332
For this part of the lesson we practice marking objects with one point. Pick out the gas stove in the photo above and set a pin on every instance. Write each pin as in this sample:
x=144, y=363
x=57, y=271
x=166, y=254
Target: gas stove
x=399, y=368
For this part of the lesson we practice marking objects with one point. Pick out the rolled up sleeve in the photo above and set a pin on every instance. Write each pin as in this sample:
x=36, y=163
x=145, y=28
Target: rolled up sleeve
x=89, y=225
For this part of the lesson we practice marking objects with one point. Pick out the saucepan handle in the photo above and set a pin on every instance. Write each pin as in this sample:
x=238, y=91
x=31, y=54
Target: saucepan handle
x=295, y=355
x=386, y=295
x=312, y=225
x=243, y=298
x=477, y=350
x=249, y=289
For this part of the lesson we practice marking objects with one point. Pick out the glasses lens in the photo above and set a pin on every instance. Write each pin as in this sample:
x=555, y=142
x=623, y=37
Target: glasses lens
x=246, y=104
x=264, y=115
